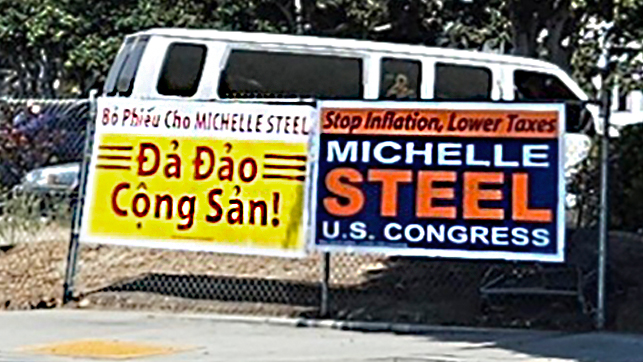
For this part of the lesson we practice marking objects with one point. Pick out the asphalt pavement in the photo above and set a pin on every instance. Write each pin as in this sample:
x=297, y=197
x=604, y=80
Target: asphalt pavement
x=88, y=335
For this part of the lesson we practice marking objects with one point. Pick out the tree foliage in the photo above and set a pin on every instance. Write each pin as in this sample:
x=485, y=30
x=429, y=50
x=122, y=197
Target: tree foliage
x=55, y=48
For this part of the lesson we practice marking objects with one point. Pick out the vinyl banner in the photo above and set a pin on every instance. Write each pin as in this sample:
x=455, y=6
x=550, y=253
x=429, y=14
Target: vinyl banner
x=199, y=176
x=458, y=180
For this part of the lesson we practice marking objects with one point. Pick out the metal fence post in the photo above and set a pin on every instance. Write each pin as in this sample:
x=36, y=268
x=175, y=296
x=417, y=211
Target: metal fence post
x=323, y=312
x=72, y=254
x=604, y=207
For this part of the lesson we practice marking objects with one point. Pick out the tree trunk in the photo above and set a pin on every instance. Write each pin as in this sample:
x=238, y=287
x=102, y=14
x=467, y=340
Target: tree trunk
x=557, y=31
x=405, y=17
x=524, y=25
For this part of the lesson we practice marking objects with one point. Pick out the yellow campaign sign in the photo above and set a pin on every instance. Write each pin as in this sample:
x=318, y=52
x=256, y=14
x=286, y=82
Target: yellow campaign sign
x=196, y=192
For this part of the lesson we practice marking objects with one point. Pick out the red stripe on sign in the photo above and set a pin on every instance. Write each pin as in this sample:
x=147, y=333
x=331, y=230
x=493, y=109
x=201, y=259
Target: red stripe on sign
x=113, y=167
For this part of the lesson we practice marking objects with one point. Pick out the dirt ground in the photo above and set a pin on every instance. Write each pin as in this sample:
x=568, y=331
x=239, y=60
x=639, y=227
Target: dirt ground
x=375, y=288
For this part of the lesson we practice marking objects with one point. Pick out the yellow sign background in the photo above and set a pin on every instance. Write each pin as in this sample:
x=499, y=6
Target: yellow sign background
x=120, y=196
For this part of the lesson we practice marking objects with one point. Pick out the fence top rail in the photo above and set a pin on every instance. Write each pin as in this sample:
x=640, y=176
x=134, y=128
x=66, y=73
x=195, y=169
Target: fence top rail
x=42, y=100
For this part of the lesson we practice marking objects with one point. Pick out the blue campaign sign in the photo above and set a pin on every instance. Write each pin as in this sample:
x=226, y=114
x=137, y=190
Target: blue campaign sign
x=460, y=180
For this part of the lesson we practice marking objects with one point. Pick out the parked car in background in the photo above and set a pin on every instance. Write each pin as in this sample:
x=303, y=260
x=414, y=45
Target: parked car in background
x=52, y=179
x=50, y=191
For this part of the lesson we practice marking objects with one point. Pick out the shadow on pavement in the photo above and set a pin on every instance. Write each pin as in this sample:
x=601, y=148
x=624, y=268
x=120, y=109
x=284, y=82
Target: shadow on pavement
x=227, y=289
x=446, y=292
x=581, y=347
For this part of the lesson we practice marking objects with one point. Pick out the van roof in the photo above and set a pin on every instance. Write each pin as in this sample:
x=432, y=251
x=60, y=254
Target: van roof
x=420, y=50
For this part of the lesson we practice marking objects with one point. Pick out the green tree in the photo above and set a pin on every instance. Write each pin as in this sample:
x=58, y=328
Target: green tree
x=53, y=48
x=564, y=32
x=567, y=32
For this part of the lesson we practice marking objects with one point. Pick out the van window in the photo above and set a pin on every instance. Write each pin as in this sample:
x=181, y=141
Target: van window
x=262, y=74
x=400, y=79
x=462, y=82
x=182, y=69
x=127, y=72
x=535, y=86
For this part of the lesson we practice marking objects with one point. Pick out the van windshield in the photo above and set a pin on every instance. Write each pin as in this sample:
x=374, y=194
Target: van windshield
x=263, y=74
x=112, y=76
x=121, y=77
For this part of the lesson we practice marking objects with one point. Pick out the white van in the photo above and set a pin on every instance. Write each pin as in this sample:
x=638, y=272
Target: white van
x=214, y=65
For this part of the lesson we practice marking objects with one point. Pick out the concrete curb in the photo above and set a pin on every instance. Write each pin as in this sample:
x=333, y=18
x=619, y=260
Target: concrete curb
x=398, y=328
x=358, y=326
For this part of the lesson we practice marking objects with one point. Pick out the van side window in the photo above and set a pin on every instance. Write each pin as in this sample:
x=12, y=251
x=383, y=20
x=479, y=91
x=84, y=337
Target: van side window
x=462, y=82
x=535, y=86
x=127, y=73
x=182, y=69
x=262, y=74
x=400, y=79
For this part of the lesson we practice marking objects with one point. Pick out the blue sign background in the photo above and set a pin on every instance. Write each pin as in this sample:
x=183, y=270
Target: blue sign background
x=543, y=193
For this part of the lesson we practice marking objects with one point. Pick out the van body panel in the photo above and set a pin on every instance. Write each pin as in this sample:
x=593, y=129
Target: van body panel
x=371, y=76
x=145, y=82
x=312, y=42
x=214, y=64
x=220, y=44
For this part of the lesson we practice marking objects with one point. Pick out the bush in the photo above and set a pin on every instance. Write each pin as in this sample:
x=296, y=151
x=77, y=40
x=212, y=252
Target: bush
x=625, y=192
x=626, y=187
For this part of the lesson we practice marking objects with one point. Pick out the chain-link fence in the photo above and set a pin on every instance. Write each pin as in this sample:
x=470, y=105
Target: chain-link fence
x=41, y=145
x=359, y=287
